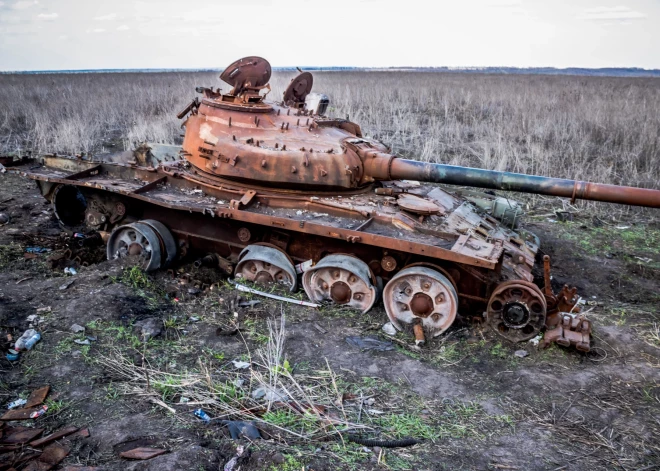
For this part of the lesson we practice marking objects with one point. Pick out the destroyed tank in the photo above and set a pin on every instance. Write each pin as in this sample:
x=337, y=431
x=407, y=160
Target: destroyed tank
x=279, y=192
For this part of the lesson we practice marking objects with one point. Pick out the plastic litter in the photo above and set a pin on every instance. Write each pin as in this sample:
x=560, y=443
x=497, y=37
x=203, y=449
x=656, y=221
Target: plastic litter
x=29, y=338
x=389, y=328
x=521, y=353
x=241, y=365
x=76, y=328
x=370, y=343
x=38, y=413
x=270, y=394
x=70, y=271
x=38, y=250
x=231, y=464
x=200, y=414
x=66, y=285
x=12, y=355
x=16, y=403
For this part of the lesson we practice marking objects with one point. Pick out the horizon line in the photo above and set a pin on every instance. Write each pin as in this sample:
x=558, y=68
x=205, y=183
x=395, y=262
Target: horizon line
x=339, y=68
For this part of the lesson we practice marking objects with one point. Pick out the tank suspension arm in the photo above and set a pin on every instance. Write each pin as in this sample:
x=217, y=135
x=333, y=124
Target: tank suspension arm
x=466, y=176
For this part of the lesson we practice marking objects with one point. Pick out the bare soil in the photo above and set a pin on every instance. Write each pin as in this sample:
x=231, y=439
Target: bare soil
x=475, y=403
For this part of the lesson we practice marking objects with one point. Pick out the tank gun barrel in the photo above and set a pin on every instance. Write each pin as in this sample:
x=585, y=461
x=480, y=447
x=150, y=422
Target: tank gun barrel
x=495, y=180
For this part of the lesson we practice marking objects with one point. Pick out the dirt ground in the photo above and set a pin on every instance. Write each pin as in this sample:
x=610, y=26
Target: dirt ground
x=473, y=404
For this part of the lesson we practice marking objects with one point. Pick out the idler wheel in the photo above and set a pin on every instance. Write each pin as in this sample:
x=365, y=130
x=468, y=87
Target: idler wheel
x=517, y=310
x=342, y=279
x=139, y=240
x=423, y=297
x=266, y=264
x=167, y=241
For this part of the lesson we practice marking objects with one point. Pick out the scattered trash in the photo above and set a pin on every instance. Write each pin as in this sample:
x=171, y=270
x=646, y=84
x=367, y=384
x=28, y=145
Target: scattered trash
x=39, y=412
x=66, y=284
x=82, y=342
x=150, y=328
x=238, y=382
x=193, y=319
x=44, y=309
x=320, y=215
x=200, y=414
x=142, y=453
x=54, y=436
x=70, y=271
x=29, y=338
x=238, y=429
x=370, y=343
x=17, y=403
x=4, y=219
x=269, y=394
x=241, y=365
x=76, y=328
x=251, y=303
x=389, y=328
x=33, y=320
x=521, y=353
x=184, y=400
x=245, y=289
x=375, y=411
x=304, y=266
x=12, y=355
x=37, y=397
x=38, y=250
x=536, y=340
x=231, y=464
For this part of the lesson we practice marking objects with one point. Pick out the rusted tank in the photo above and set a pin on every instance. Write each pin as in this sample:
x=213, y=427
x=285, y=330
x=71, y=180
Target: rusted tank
x=278, y=192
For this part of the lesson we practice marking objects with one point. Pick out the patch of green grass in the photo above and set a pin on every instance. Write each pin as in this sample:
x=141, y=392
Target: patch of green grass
x=10, y=253
x=499, y=351
x=408, y=426
x=291, y=463
x=350, y=454
x=55, y=406
x=168, y=387
x=446, y=354
x=619, y=316
x=140, y=281
x=111, y=392
x=126, y=333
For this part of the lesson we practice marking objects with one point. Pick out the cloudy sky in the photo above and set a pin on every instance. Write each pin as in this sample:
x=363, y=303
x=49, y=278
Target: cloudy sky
x=93, y=34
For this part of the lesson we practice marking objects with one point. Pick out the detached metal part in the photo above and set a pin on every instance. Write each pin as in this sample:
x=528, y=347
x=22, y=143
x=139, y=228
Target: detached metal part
x=265, y=186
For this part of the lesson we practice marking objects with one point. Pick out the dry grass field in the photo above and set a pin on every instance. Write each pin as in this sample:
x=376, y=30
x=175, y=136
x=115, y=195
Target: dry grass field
x=590, y=128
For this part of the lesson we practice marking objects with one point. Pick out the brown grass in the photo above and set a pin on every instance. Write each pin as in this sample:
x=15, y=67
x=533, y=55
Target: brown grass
x=592, y=128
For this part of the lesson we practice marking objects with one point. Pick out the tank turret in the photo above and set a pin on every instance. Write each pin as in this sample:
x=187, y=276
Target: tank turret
x=287, y=144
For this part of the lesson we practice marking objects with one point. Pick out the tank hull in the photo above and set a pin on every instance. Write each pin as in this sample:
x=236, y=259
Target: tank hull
x=223, y=217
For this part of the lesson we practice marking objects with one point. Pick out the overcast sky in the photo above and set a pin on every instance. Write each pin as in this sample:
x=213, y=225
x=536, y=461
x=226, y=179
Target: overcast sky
x=91, y=34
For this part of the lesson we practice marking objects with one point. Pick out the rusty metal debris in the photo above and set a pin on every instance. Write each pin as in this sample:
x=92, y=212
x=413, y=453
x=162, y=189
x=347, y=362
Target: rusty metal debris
x=261, y=189
x=142, y=453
